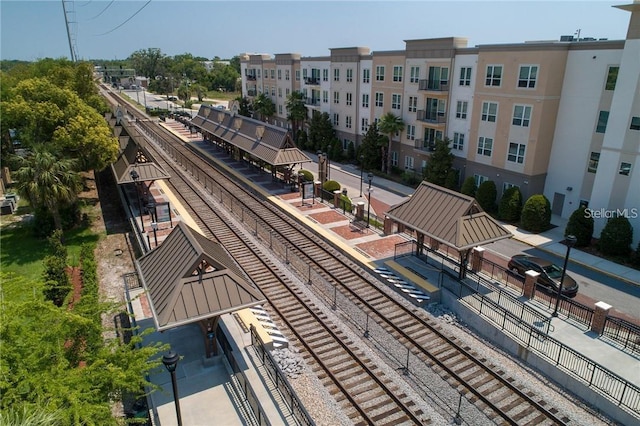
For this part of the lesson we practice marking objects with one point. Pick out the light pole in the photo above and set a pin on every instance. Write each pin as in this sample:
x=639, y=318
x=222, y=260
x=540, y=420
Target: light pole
x=361, y=170
x=570, y=241
x=135, y=176
x=326, y=159
x=321, y=169
x=170, y=361
x=370, y=179
x=154, y=226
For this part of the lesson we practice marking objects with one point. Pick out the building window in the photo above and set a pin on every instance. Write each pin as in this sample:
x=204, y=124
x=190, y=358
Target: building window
x=521, y=115
x=480, y=179
x=413, y=103
x=397, y=73
x=273, y=90
x=349, y=75
x=635, y=123
x=325, y=74
x=625, y=168
x=396, y=101
x=297, y=75
x=325, y=96
x=612, y=77
x=438, y=78
x=279, y=92
x=336, y=97
x=336, y=119
x=593, y=162
x=494, y=75
x=347, y=121
x=336, y=74
x=273, y=74
x=507, y=185
x=279, y=109
x=258, y=72
x=603, y=117
x=411, y=132
x=287, y=91
x=349, y=99
x=465, y=76
x=279, y=74
x=489, y=111
x=366, y=75
x=431, y=136
x=408, y=162
x=458, y=141
x=461, y=110
x=287, y=75
x=516, y=153
x=380, y=73
x=415, y=75
x=266, y=90
x=485, y=146
x=394, y=158
x=365, y=100
x=364, y=125
x=528, y=76
x=379, y=99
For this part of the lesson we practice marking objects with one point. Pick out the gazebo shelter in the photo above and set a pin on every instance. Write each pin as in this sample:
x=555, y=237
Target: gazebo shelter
x=446, y=217
x=251, y=140
x=191, y=279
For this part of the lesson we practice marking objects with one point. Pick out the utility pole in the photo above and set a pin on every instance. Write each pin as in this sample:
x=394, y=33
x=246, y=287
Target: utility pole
x=66, y=21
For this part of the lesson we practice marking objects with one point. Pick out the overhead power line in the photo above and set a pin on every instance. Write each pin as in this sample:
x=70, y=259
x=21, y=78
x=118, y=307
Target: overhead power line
x=128, y=19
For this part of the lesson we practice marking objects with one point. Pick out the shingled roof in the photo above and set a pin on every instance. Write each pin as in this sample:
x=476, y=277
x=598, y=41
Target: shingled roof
x=269, y=143
x=190, y=278
x=447, y=216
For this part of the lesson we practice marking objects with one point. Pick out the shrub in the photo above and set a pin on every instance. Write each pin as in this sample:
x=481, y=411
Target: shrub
x=330, y=186
x=580, y=225
x=486, y=195
x=308, y=176
x=536, y=214
x=469, y=186
x=510, y=205
x=616, y=237
x=635, y=260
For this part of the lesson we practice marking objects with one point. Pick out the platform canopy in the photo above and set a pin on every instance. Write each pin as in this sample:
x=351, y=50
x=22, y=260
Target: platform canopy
x=271, y=144
x=133, y=158
x=447, y=216
x=189, y=278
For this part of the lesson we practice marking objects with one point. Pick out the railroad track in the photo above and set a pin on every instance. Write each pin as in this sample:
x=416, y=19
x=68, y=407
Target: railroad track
x=486, y=387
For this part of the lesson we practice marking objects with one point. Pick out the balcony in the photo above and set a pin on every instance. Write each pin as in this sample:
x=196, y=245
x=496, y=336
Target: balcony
x=433, y=85
x=312, y=81
x=251, y=93
x=312, y=101
x=425, y=145
x=251, y=77
x=431, y=117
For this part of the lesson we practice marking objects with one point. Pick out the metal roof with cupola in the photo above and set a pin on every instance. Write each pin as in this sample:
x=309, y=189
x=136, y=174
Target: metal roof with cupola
x=133, y=165
x=447, y=217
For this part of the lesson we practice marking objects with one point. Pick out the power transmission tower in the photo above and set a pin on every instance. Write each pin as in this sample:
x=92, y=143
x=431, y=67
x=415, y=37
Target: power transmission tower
x=69, y=20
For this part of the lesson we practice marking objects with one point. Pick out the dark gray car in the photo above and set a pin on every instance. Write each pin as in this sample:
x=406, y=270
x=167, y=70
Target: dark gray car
x=550, y=273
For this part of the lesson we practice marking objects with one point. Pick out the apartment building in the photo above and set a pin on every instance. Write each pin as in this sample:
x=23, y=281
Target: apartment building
x=560, y=118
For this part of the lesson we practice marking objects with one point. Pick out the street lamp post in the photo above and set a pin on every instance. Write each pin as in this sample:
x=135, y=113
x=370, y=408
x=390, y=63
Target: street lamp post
x=154, y=226
x=328, y=164
x=361, y=170
x=136, y=177
x=370, y=179
x=570, y=241
x=170, y=361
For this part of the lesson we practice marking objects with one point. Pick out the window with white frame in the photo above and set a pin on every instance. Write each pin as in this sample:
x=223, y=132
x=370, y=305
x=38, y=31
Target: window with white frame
x=336, y=97
x=365, y=100
x=336, y=119
x=458, y=141
x=494, y=75
x=431, y=136
x=345, y=144
x=279, y=92
x=413, y=103
x=364, y=125
x=349, y=100
x=411, y=132
x=521, y=115
x=279, y=109
x=273, y=74
x=397, y=73
x=603, y=118
x=273, y=90
x=480, y=179
x=635, y=123
x=258, y=73
x=297, y=75
x=461, y=109
x=366, y=75
x=594, y=159
x=489, y=111
x=348, y=121
x=423, y=167
x=528, y=76
x=379, y=99
x=380, y=73
x=465, y=76
x=336, y=74
x=325, y=96
x=287, y=91
x=279, y=74
x=414, y=74
x=394, y=158
x=287, y=75
x=516, y=153
x=349, y=75
x=507, y=185
x=396, y=101
x=485, y=146
x=408, y=162
x=266, y=90
x=325, y=74
x=625, y=169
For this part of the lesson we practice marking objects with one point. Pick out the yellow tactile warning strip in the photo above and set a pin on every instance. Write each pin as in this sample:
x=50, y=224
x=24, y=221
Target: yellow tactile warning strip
x=412, y=277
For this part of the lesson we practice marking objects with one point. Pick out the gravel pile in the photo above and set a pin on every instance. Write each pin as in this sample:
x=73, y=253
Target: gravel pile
x=289, y=361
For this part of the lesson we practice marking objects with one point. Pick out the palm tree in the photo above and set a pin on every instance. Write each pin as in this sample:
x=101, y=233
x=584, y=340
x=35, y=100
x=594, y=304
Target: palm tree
x=47, y=181
x=296, y=111
x=264, y=106
x=389, y=124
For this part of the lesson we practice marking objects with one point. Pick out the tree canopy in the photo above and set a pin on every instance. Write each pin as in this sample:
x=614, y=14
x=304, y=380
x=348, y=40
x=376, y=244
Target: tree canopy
x=389, y=124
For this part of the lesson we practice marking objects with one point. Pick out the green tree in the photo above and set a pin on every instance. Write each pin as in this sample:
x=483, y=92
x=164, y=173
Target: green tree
x=389, y=124
x=57, y=284
x=486, y=195
x=244, y=106
x=264, y=106
x=321, y=132
x=469, y=187
x=296, y=111
x=47, y=181
x=536, y=214
x=148, y=63
x=184, y=92
x=580, y=225
x=371, y=148
x=439, y=166
x=510, y=205
x=616, y=237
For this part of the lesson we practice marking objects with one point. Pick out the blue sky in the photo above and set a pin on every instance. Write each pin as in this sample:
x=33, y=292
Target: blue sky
x=31, y=30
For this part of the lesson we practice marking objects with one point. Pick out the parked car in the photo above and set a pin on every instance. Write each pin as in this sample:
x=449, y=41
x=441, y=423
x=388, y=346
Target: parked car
x=550, y=273
x=173, y=98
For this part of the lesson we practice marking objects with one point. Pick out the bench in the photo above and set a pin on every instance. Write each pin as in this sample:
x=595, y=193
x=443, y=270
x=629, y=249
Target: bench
x=359, y=225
